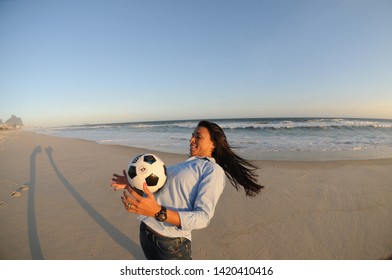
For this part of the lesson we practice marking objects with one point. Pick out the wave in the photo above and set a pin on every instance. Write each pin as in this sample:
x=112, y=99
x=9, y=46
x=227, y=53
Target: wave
x=186, y=124
x=307, y=124
x=248, y=136
x=178, y=138
x=83, y=127
x=244, y=124
x=273, y=124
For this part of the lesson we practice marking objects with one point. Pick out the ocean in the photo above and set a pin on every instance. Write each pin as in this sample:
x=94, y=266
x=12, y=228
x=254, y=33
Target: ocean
x=254, y=139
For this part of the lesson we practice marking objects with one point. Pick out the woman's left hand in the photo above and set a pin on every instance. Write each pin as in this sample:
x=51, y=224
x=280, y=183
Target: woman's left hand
x=135, y=203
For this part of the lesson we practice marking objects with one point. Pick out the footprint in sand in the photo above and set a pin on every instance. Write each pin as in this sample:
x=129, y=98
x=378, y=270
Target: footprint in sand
x=18, y=192
x=24, y=188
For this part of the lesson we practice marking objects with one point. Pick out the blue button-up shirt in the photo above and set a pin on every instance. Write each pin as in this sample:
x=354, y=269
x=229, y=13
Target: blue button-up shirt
x=192, y=188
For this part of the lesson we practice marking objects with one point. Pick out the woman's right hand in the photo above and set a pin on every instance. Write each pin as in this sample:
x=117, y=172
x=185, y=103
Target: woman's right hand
x=119, y=182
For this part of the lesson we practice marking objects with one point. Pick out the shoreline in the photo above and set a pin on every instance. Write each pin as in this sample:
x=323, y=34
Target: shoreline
x=299, y=139
x=64, y=207
x=295, y=156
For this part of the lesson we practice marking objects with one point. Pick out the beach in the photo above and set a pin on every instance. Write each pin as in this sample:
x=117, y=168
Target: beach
x=57, y=204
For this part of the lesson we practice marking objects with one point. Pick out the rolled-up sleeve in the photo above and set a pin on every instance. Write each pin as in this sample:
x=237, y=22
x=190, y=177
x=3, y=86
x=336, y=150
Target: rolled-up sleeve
x=209, y=189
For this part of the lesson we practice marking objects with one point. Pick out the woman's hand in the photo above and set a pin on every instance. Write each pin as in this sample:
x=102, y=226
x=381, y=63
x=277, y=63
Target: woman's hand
x=120, y=182
x=135, y=203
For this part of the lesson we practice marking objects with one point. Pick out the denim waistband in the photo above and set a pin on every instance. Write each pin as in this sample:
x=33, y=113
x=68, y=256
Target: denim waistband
x=150, y=230
x=156, y=235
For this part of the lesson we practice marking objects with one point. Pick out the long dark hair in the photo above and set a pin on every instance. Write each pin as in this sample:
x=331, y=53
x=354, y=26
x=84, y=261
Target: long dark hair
x=239, y=171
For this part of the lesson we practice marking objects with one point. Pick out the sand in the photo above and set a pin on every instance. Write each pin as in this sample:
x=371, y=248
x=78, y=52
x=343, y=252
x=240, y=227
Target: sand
x=65, y=209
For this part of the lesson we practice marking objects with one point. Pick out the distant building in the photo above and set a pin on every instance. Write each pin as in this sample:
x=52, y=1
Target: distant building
x=12, y=123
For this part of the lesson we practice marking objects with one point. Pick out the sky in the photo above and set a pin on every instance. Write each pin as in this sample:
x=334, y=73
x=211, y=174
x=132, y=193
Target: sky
x=67, y=62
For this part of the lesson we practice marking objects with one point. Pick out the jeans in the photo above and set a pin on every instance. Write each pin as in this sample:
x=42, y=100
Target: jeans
x=157, y=247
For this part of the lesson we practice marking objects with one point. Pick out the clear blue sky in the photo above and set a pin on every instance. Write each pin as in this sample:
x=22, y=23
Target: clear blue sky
x=92, y=61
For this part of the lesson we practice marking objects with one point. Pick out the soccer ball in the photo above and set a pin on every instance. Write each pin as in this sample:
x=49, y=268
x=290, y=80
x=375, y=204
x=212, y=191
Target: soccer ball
x=146, y=168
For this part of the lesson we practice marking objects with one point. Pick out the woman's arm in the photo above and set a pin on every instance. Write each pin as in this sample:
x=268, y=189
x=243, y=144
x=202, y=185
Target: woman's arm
x=147, y=205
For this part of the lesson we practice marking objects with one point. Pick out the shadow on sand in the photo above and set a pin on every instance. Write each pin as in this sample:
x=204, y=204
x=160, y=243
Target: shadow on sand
x=35, y=247
x=117, y=236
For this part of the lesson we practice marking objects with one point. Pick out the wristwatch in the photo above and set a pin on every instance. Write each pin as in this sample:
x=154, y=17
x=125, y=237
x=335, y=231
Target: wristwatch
x=161, y=215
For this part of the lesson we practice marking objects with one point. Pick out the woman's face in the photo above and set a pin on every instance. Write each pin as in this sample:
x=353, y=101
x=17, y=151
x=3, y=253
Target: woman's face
x=201, y=144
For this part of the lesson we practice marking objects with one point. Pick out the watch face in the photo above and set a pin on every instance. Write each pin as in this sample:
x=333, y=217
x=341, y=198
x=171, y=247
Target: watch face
x=161, y=217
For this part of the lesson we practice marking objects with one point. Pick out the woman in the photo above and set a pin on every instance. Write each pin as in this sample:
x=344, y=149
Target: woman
x=191, y=192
